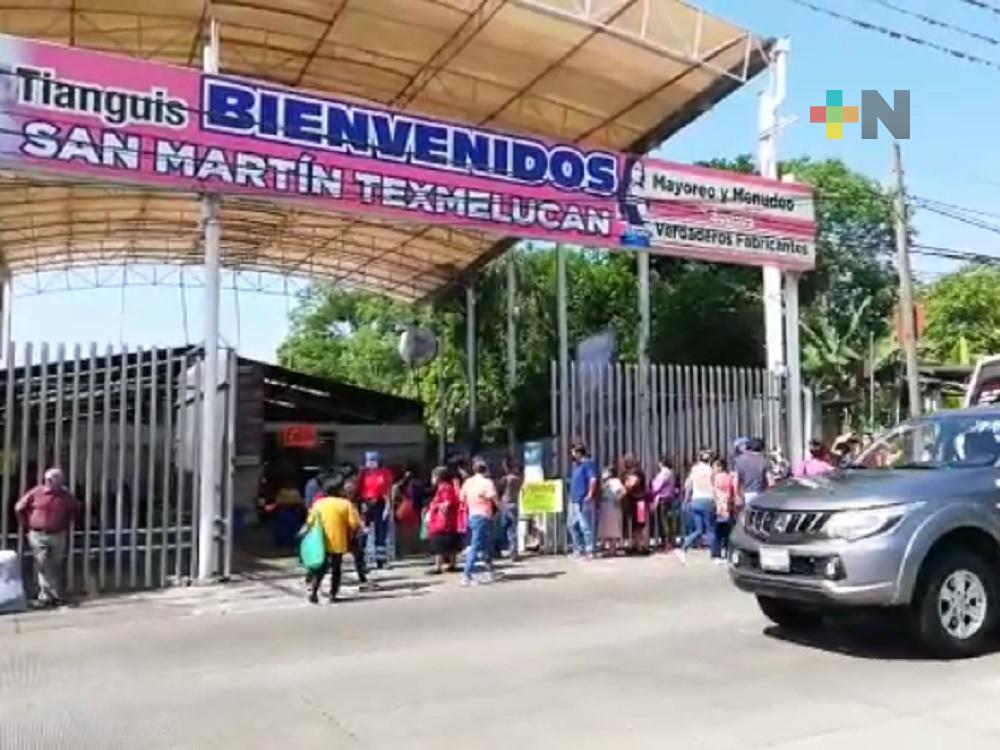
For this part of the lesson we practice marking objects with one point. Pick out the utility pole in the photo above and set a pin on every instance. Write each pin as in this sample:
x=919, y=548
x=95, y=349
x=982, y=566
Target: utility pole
x=907, y=323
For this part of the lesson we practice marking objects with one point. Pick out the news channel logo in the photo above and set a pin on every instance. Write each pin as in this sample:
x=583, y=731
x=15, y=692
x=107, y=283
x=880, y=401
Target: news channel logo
x=874, y=109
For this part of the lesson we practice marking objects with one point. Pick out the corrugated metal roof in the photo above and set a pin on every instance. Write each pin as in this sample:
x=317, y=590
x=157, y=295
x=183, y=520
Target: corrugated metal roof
x=617, y=74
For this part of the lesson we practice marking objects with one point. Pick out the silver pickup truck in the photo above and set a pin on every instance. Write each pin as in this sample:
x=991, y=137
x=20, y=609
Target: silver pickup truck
x=913, y=528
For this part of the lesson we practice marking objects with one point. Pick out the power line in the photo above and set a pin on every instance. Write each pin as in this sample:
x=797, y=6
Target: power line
x=932, y=203
x=899, y=35
x=982, y=5
x=930, y=20
x=978, y=223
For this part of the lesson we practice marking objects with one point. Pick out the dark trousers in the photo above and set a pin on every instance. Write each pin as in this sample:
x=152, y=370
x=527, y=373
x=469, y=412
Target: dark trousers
x=720, y=542
x=358, y=553
x=671, y=522
x=378, y=525
x=334, y=564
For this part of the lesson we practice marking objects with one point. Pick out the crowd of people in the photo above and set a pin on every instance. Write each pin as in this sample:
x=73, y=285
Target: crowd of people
x=468, y=508
x=618, y=511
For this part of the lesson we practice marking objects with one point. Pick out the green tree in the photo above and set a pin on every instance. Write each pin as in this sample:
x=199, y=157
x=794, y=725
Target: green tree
x=963, y=314
x=702, y=313
x=854, y=245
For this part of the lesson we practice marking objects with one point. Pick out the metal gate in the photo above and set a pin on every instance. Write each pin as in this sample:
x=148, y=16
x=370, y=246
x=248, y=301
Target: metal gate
x=656, y=410
x=125, y=428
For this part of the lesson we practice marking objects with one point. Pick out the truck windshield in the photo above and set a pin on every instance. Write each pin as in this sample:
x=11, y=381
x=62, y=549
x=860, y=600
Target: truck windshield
x=939, y=441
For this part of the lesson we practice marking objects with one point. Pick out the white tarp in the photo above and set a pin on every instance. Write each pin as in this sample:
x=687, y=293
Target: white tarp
x=11, y=584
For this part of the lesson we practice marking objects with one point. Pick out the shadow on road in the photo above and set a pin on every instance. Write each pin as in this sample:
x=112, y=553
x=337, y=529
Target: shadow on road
x=513, y=575
x=884, y=639
x=382, y=594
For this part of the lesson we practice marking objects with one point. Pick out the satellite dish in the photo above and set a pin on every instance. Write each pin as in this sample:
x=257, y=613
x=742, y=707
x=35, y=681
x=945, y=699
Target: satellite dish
x=417, y=346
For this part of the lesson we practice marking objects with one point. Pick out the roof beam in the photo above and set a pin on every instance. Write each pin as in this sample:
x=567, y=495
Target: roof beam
x=452, y=47
x=320, y=41
x=643, y=39
x=552, y=66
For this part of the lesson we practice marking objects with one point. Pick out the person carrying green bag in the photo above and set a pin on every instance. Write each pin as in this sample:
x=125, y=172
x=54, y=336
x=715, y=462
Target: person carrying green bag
x=335, y=522
x=312, y=549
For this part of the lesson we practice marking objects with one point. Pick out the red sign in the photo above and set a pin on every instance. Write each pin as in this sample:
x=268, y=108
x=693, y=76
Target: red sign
x=299, y=436
x=919, y=321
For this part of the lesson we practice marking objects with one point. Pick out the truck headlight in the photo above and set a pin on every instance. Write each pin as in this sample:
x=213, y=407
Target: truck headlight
x=859, y=524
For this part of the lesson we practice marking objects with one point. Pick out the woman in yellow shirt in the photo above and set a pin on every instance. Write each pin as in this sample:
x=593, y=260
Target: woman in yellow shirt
x=340, y=522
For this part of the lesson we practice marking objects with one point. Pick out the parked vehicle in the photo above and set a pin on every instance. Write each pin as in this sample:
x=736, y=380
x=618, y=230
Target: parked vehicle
x=912, y=527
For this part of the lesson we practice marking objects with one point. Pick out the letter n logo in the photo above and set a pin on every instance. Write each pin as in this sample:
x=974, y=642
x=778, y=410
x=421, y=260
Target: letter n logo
x=875, y=109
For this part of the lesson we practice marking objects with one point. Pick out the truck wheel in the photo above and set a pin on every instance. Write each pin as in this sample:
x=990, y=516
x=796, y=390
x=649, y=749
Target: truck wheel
x=955, y=610
x=789, y=615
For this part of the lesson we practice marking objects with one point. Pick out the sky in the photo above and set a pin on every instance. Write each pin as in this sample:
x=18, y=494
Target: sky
x=951, y=156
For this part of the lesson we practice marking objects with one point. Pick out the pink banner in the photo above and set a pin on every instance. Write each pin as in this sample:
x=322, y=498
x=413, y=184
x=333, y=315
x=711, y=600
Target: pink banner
x=74, y=113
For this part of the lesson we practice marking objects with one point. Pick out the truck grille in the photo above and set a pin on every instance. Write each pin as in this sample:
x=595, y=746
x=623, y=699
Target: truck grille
x=787, y=525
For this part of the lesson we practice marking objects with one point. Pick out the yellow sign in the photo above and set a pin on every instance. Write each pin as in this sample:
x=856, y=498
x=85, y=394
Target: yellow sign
x=542, y=497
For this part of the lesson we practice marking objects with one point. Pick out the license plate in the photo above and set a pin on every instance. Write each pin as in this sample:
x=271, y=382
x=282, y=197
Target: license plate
x=775, y=559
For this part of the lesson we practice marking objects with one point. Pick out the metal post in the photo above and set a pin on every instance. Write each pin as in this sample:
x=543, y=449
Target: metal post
x=642, y=382
x=906, y=322
x=769, y=123
x=562, y=317
x=209, y=495
x=470, y=356
x=511, y=338
x=796, y=439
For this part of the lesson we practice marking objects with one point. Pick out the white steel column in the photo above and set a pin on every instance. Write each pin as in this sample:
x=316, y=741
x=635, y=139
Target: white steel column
x=209, y=503
x=769, y=127
x=769, y=122
x=796, y=426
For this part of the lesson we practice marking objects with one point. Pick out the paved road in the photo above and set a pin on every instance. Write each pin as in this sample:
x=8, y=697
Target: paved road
x=630, y=653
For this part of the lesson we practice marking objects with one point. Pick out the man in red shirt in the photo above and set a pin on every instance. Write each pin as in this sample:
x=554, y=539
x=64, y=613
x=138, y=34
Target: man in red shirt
x=374, y=491
x=46, y=513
